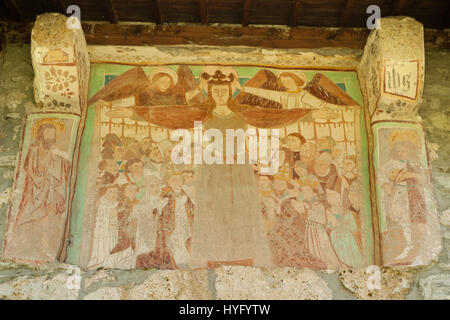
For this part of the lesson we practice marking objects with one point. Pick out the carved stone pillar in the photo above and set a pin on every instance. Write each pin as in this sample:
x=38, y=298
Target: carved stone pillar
x=392, y=72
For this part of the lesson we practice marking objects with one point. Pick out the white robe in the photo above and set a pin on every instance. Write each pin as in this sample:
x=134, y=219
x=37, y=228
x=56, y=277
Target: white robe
x=147, y=222
x=105, y=232
x=317, y=239
x=181, y=233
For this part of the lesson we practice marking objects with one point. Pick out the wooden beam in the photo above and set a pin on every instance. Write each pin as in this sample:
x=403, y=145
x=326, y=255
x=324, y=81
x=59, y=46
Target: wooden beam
x=159, y=18
x=296, y=12
x=60, y=6
x=246, y=12
x=203, y=11
x=265, y=37
x=399, y=6
x=2, y=45
x=345, y=16
x=444, y=23
x=12, y=7
x=113, y=17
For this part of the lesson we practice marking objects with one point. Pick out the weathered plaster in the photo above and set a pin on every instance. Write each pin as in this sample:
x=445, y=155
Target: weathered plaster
x=246, y=283
x=16, y=96
x=377, y=284
x=193, y=54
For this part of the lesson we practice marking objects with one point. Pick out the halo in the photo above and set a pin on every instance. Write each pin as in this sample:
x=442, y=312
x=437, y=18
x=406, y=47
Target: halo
x=298, y=73
x=167, y=71
x=58, y=123
x=404, y=135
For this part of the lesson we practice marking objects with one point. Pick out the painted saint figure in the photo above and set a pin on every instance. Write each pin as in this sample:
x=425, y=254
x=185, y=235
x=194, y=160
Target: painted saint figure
x=402, y=182
x=38, y=229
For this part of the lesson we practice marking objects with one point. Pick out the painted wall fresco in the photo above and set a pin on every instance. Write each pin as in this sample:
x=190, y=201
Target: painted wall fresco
x=405, y=202
x=135, y=208
x=38, y=214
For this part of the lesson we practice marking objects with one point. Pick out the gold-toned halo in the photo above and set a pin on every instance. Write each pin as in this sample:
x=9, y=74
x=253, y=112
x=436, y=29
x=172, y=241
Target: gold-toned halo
x=171, y=73
x=404, y=135
x=298, y=73
x=58, y=123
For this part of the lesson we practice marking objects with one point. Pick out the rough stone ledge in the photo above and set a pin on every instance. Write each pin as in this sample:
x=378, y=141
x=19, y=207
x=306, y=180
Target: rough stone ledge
x=374, y=283
x=56, y=281
x=436, y=287
x=258, y=283
x=63, y=281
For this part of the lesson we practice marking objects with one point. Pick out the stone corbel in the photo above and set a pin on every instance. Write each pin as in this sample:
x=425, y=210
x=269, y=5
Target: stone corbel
x=61, y=64
x=392, y=68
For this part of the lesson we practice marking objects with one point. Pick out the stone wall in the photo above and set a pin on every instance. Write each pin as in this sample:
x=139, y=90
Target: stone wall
x=62, y=281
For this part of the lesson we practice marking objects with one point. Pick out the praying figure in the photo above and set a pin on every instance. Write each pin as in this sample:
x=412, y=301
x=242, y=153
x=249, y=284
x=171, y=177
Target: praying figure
x=402, y=181
x=106, y=233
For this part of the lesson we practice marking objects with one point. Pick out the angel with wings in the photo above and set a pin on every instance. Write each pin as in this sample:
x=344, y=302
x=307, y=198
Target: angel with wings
x=223, y=231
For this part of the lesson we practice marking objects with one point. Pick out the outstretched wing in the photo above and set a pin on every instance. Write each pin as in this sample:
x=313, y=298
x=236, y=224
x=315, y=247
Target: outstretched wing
x=271, y=118
x=264, y=79
x=129, y=83
x=325, y=89
x=183, y=117
x=172, y=117
x=187, y=82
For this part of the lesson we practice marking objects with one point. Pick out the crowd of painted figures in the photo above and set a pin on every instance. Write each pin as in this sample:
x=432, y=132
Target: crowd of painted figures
x=310, y=208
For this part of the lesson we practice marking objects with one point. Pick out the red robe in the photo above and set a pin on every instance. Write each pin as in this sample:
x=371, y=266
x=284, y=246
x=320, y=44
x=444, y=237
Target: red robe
x=37, y=232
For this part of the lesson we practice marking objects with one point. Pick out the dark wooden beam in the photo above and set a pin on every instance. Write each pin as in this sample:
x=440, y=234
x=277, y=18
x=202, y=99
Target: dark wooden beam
x=246, y=12
x=2, y=45
x=203, y=11
x=113, y=17
x=296, y=12
x=159, y=18
x=12, y=7
x=445, y=19
x=398, y=7
x=265, y=37
x=60, y=6
x=346, y=13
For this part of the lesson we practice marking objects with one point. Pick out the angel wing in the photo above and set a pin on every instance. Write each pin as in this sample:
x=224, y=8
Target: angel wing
x=133, y=82
x=271, y=118
x=183, y=117
x=187, y=82
x=172, y=117
x=326, y=90
x=264, y=79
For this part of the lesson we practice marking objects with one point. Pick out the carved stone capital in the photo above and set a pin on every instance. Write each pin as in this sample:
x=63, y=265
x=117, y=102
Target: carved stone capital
x=61, y=64
x=392, y=68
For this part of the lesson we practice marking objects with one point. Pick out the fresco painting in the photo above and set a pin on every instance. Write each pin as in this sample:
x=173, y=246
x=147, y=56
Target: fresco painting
x=142, y=210
x=37, y=217
x=404, y=193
